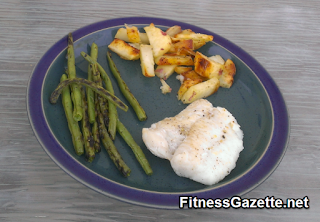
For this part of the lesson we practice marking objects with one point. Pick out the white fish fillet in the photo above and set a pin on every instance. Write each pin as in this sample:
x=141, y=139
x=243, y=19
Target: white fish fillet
x=164, y=137
x=202, y=143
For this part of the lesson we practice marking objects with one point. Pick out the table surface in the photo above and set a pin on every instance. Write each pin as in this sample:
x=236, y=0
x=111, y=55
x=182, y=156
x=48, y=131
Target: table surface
x=282, y=35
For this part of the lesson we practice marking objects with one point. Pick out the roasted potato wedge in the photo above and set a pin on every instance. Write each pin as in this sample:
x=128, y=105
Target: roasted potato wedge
x=172, y=31
x=200, y=90
x=174, y=60
x=124, y=50
x=180, y=45
x=192, y=75
x=206, y=67
x=194, y=36
x=182, y=69
x=146, y=59
x=217, y=58
x=159, y=40
x=186, y=85
x=122, y=34
x=229, y=70
x=133, y=34
x=165, y=71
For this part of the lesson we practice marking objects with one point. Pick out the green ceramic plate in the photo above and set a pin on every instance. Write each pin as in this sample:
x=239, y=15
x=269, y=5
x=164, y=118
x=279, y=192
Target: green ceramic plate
x=254, y=100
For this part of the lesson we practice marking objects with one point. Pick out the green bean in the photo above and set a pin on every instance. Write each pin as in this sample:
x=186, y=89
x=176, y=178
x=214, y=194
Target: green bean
x=86, y=130
x=111, y=149
x=141, y=114
x=75, y=89
x=122, y=130
x=98, y=89
x=90, y=93
x=113, y=114
x=102, y=102
x=95, y=126
x=72, y=124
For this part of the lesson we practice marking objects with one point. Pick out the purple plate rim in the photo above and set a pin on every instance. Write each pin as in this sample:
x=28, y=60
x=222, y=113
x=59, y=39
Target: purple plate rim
x=262, y=170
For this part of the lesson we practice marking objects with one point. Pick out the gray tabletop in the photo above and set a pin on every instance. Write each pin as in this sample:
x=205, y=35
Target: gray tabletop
x=282, y=35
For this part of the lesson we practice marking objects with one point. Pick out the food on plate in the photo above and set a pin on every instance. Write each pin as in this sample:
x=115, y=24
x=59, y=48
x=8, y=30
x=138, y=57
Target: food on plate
x=96, y=88
x=75, y=89
x=206, y=67
x=229, y=70
x=86, y=130
x=182, y=69
x=133, y=34
x=165, y=88
x=173, y=30
x=123, y=35
x=104, y=122
x=159, y=40
x=200, y=90
x=174, y=60
x=202, y=142
x=109, y=145
x=73, y=125
x=90, y=93
x=165, y=71
x=174, y=52
x=122, y=130
x=164, y=137
x=124, y=50
x=109, y=109
x=146, y=59
x=141, y=114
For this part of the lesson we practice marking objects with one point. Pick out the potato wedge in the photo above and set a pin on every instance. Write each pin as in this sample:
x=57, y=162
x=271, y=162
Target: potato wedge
x=194, y=36
x=192, y=75
x=133, y=34
x=174, y=60
x=198, y=43
x=182, y=69
x=146, y=59
x=217, y=58
x=159, y=40
x=200, y=90
x=186, y=85
x=172, y=31
x=226, y=79
x=165, y=71
x=122, y=34
x=124, y=50
x=205, y=67
x=180, y=45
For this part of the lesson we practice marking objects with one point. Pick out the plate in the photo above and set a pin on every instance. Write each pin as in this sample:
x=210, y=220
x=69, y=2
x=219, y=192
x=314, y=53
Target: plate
x=254, y=100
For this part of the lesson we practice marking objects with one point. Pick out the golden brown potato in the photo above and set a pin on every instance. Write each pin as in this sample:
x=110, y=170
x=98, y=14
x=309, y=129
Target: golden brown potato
x=217, y=58
x=226, y=79
x=192, y=75
x=200, y=90
x=165, y=71
x=172, y=31
x=186, y=85
x=124, y=50
x=178, y=47
x=159, y=40
x=205, y=67
x=122, y=34
x=182, y=69
x=198, y=43
x=133, y=34
x=194, y=36
x=174, y=60
x=146, y=59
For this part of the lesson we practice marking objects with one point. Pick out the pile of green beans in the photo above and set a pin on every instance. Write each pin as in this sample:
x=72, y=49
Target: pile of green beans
x=92, y=114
